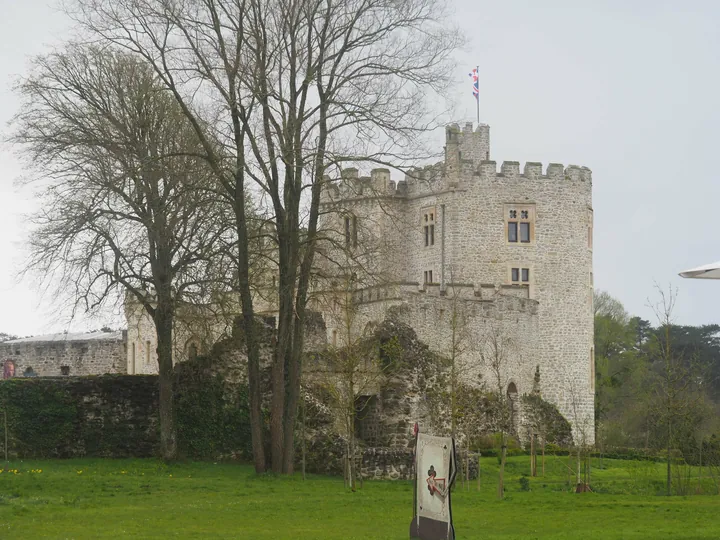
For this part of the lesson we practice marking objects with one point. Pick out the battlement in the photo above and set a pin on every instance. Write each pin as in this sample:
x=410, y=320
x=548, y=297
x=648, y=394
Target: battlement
x=466, y=163
x=533, y=170
x=504, y=297
x=433, y=179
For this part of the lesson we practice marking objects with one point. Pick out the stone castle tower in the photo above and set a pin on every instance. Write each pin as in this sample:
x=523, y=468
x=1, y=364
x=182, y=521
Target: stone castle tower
x=512, y=249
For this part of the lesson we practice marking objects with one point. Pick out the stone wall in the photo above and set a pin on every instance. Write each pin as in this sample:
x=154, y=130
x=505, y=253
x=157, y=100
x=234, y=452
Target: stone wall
x=66, y=354
x=197, y=329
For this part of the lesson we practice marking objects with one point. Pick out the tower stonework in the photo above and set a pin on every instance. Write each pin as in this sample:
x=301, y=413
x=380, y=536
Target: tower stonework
x=513, y=246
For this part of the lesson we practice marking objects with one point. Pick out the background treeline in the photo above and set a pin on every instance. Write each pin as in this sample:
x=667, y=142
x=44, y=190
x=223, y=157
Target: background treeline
x=657, y=384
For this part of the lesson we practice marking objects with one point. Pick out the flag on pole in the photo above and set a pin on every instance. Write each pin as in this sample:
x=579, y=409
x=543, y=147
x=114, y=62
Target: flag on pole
x=476, y=87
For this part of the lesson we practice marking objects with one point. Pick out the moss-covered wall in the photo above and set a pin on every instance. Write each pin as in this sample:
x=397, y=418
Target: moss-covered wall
x=117, y=415
x=108, y=415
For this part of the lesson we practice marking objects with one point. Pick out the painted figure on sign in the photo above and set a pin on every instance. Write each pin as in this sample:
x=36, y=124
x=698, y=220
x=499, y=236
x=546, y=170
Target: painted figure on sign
x=435, y=485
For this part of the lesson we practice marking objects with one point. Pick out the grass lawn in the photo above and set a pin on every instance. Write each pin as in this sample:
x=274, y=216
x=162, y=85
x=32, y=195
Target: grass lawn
x=147, y=499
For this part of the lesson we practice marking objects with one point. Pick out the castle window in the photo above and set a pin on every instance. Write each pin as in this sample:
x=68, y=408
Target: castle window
x=65, y=370
x=351, y=236
x=428, y=276
x=519, y=276
x=429, y=226
x=520, y=223
x=147, y=352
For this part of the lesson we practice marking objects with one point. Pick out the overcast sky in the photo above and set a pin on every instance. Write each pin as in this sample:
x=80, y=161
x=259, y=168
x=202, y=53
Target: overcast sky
x=629, y=89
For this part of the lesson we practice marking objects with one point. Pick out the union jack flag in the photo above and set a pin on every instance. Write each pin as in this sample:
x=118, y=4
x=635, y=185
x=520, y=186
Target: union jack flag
x=476, y=87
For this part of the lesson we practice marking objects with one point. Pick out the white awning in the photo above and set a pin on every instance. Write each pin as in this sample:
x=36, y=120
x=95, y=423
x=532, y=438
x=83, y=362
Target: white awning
x=708, y=271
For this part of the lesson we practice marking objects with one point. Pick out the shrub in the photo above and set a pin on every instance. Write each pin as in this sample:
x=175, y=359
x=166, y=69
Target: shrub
x=524, y=483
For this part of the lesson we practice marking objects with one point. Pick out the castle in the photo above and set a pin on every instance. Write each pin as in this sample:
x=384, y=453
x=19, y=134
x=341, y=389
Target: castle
x=510, y=251
x=462, y=253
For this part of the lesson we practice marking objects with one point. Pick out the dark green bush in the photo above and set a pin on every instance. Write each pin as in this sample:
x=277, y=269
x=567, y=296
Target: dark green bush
x=213, y=418
x=40, y=416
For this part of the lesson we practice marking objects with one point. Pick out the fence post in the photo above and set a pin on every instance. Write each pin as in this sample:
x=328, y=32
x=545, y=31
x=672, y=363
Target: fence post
x=479, y=456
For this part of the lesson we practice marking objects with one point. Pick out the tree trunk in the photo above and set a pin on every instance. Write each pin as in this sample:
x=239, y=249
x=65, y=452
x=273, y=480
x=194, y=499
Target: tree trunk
x=303, y=443
x=303, y=284
x=251, y=343
x=577, y=474
x=163, y=320
x=351, y=458
x=700, y=471
x=669, y=471
x=281, y=357
x=501, y=477
x=533, y=456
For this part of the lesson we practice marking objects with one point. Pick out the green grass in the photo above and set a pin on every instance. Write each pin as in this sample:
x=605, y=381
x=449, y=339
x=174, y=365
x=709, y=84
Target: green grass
x=147, y=499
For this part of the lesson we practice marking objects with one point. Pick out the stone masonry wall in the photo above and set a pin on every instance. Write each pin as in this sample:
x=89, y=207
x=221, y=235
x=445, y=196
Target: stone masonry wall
x=102, y=354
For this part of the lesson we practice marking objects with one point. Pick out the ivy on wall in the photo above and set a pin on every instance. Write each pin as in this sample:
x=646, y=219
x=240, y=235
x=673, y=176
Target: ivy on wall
x=212, y=415
x=117, y=415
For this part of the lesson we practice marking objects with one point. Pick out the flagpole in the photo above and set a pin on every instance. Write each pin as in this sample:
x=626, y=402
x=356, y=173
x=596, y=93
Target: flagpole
x=477, y=99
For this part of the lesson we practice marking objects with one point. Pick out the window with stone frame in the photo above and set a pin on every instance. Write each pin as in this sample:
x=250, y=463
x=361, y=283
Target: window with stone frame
x=428, y=276
x=520, y=224
x=519, y=275
x=147, y=352
x=428, y=225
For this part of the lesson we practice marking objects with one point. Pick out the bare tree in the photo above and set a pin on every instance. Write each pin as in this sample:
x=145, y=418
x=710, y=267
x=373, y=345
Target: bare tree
x=496, y=353
x=582, y=425
x=124, y=191
x=460, y=342
x=354, y=367
x=676, y=400
x=291, y=88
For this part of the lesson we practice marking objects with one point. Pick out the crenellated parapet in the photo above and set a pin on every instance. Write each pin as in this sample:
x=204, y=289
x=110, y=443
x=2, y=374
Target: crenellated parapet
x=352, y=186
x=465, y=166
x=437, y=178
x=534, y=171
x=506, y=298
